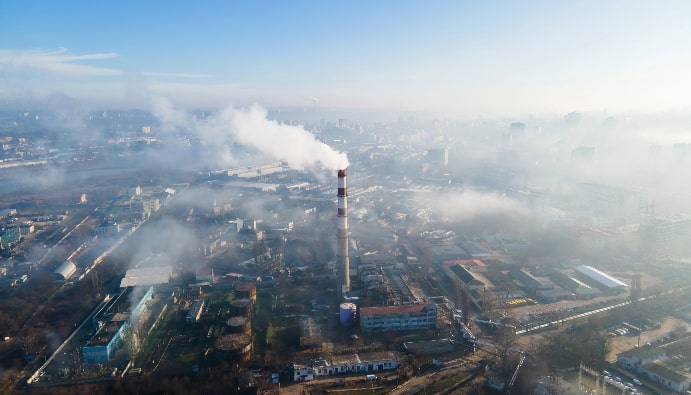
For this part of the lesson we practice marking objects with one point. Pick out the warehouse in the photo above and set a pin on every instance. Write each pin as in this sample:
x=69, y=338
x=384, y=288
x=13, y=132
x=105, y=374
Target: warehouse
x=600, y=280
x=112, y=325
x=65, y=271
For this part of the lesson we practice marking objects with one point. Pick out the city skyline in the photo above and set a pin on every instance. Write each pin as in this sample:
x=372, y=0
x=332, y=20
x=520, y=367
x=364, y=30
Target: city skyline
x=447, y=58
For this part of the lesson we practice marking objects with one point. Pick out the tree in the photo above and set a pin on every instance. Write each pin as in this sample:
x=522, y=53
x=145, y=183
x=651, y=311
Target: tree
x=490, y=305
x=457, y=293
x=29, y=341
x=506, y=341
x=466, y=302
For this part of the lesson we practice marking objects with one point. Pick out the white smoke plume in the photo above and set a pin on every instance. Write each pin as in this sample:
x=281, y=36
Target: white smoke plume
x=293, y=144
x=251, y=128
x=471, y=204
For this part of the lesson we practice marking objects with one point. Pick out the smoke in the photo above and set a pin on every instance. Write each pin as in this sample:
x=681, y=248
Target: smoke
x=293, y=144
x=167, y=238
x=225, y=132
x=172, y=119
x=469, y=205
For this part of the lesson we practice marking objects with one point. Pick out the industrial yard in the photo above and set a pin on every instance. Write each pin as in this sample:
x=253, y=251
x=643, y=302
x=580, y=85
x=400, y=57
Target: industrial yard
x=263, y=277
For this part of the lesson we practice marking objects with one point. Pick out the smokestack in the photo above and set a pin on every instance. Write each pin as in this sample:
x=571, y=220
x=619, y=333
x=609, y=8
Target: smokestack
x=342, y=260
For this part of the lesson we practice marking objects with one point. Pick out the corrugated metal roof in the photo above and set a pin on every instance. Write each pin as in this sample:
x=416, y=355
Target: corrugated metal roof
x=600, y=277
x=66, y=269
x=147, y=276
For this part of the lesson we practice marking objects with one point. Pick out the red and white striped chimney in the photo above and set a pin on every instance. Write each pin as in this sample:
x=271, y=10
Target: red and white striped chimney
x=342, y=261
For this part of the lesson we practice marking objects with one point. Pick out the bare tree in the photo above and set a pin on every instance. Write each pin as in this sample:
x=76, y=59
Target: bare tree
x=29, y=341
x=457, y=293
x=506, y=341
x=466, y=302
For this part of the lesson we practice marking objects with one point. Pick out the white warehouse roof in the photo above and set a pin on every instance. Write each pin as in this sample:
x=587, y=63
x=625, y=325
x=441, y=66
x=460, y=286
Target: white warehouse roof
x=65, y=270
x=602, y=278
x=147, y=276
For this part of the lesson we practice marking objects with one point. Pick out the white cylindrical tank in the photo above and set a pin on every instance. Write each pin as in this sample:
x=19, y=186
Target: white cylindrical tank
x=347, y=313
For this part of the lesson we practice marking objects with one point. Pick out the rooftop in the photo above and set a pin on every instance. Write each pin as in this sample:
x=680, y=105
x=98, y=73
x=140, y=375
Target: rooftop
x=105, y=334
x=466, y=262
x=405, y=309
x=603, y=278
x=643, y=352
x=662, y=370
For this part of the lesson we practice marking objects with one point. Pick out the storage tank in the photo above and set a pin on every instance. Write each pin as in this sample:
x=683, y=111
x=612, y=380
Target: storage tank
x=241, y=307
x=235, y=347
x=246, y=291
x=239, y=324
x=347, y=313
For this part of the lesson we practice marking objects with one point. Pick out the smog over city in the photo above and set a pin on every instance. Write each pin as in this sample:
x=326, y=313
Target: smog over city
x=317, y=197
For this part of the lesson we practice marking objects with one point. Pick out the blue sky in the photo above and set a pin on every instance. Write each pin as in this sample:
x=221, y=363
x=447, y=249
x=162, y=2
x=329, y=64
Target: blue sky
x=449, y=57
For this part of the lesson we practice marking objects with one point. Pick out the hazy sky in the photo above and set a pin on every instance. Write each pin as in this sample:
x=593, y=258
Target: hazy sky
x=465, y=58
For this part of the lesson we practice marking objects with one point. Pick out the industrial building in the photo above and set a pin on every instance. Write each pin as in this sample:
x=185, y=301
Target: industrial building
x=474, y=281
x=195, y=312
x=65, y=271
x=599, y=279
x=666, y=365
x=112, y=324
x=447, y=252
x=475, y=250
x=258, y=171
x=106, y=341
x=106, y=228
x=407, y=317
x=579, y=289
x=343, y=364
x=251, y=186
x=147, y=276
x=138, y=206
